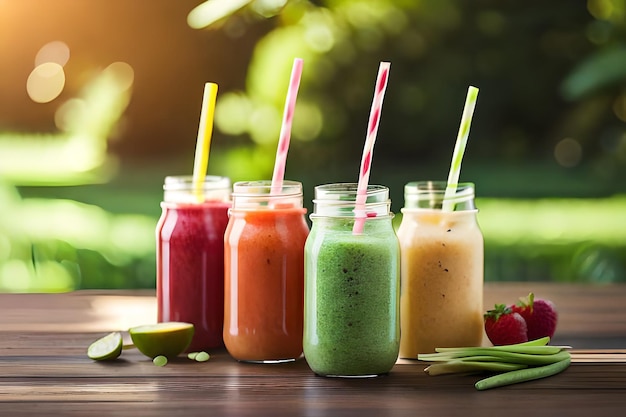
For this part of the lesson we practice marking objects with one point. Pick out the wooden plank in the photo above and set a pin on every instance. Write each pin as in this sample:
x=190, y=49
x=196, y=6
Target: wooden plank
x=576, y=392
x=81, y=311
x=583, y=309
x=44, y=369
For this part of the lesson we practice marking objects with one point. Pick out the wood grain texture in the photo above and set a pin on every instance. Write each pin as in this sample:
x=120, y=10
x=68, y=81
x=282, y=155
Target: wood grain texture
x=44, y=369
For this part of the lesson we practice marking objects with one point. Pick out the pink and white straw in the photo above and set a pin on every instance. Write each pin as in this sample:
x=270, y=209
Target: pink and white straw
x=285, y=129
x=368, y=149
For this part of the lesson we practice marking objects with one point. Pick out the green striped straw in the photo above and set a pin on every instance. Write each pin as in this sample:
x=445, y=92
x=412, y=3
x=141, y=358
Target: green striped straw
x=459, y=149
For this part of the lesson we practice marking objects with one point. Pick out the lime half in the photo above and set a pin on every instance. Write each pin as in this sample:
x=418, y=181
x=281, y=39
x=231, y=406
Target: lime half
x=106, y=348
x=167, y=339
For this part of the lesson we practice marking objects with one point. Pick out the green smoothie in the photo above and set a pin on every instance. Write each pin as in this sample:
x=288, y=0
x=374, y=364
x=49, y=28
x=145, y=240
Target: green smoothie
x=351, y=325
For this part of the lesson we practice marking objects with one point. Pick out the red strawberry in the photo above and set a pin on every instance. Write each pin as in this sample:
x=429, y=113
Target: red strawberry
x=504, y=326
x=540, y=316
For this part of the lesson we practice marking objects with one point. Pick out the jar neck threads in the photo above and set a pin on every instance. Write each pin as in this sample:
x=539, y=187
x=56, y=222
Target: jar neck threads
x=339, y=200
x=257, y=195
x=182, y=189
x=430, y=195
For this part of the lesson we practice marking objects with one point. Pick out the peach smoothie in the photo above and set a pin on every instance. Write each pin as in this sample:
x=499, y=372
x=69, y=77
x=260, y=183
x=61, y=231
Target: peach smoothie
x=441, y=303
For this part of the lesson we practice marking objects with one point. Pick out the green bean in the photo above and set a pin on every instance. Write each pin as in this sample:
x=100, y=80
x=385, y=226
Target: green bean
x=533, y=350
x=493, y=358
x=503, y=356
x=461, y=366
x=523, y=375
x=542, y=341
x=533, y=347
x=536, y=342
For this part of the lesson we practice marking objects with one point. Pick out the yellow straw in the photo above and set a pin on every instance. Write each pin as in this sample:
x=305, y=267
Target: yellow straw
x=203, y=143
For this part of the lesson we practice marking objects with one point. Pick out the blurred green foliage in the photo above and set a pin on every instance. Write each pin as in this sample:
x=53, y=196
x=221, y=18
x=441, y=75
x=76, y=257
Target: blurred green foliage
x=57, y=244
x=547, y=148
x=549, y=121
x=546, y=72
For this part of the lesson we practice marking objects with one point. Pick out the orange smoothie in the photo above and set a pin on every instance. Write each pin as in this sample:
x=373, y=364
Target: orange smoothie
x=264, y=283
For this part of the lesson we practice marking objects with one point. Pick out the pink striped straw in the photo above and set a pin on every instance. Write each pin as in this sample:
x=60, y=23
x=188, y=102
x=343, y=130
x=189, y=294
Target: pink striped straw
x=368, y=149
x=285, y=129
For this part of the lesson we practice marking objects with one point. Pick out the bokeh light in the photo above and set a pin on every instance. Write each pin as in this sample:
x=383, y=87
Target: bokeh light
x=319, y=37
x=268, y=8
x=210, y=12
x=55, y=51
x=308, y=125
x=609, y=10
x=568, y=152
x=70, y=114
x=45, y=82
x=619, y=107
x=232, y=113
x=122, y=73
x=265, y=124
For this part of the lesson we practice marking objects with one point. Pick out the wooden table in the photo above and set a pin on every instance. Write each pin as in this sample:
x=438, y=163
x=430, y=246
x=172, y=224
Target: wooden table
x=44, y=369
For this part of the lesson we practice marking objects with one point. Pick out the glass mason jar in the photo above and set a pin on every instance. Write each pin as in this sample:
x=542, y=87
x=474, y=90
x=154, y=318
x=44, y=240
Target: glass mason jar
x=264, y=272
x=442, y=270
x=190, y=256
x=351, y=316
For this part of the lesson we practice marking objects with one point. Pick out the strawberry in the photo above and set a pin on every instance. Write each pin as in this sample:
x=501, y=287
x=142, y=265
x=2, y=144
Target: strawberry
x=540, y=315
x=504, y=326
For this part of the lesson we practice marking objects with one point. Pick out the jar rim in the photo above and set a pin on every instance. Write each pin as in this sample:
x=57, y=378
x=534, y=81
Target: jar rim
x=340, y=200
x=186, y=182
x=436, y=186
x=346, y=192
x=260, y=195
x=432, y=195
x=349, y=187
x=263, y=188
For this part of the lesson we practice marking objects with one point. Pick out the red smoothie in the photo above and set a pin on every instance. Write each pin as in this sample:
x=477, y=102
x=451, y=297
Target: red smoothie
x=190, y=268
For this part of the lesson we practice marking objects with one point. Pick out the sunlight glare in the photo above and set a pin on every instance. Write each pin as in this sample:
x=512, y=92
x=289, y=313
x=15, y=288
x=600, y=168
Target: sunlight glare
x=122, y=312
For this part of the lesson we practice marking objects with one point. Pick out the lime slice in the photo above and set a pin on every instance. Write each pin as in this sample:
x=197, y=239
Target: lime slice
x=167, y=339
x=106, y=348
